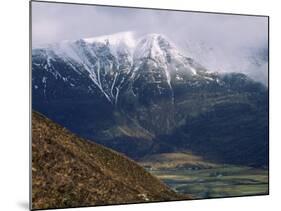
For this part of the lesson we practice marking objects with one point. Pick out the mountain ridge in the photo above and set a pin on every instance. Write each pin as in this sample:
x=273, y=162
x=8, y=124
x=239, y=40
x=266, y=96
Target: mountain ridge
x=105, y=58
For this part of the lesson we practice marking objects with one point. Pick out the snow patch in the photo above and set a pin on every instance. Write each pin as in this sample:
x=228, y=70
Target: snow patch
x=117, y=42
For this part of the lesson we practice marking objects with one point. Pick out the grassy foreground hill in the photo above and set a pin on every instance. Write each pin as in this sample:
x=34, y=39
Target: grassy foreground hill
x=68, y=171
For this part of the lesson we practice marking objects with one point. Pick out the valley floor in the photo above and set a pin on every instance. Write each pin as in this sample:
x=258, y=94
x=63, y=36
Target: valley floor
x=213, y=182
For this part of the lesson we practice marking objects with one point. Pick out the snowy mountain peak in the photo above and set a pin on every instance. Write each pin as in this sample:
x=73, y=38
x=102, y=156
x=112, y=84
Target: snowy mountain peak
x=152, y=46
x=113, y=61
x=122, y=38
x=163, y=55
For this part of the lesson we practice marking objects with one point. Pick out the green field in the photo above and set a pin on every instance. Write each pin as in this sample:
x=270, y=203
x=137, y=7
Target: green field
x=219, y=181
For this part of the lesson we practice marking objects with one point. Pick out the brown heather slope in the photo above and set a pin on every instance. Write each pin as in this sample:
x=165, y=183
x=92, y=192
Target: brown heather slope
x=68, y=171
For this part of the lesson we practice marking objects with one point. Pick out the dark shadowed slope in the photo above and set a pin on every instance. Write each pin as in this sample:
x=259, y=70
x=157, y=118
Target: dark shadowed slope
x=68, y=171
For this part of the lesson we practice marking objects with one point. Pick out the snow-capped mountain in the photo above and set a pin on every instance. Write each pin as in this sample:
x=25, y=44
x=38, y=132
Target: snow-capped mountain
x=112, y=61
x=163, y=54
x=141, y=95
x=106, y=61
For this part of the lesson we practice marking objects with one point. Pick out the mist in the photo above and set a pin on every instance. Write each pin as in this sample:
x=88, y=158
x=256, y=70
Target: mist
x=223, y=43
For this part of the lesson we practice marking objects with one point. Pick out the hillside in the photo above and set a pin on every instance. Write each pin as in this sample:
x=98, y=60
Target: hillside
x=68, y=171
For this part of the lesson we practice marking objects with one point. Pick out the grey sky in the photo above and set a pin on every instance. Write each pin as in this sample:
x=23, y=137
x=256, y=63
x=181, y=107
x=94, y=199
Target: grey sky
x=218, y=41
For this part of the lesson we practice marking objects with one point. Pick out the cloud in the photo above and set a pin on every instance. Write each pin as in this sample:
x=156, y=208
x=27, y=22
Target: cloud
x=220, y=42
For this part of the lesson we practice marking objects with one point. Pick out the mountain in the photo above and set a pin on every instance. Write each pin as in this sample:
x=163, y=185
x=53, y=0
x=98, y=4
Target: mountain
x=110, y=63
x=143, y=96
x=68, y=171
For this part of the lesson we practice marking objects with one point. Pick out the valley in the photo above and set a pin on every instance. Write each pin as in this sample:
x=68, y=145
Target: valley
x=207, y=180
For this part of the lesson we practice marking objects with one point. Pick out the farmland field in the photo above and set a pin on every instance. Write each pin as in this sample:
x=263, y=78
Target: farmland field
x=220, y=181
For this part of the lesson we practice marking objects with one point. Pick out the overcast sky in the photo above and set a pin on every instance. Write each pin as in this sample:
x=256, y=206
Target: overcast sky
x=218, y=41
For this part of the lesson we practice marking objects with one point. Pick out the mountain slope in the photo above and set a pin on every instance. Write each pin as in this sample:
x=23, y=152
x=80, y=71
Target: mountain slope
x=143, y=96
x=111, y=62
x=68, y=171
